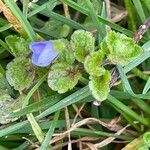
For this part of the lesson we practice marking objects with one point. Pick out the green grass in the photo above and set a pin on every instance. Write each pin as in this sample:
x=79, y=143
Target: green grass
x=41, y=114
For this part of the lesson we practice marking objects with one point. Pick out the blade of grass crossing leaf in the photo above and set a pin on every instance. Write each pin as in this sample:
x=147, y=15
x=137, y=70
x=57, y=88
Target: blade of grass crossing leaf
x=43, y=104
x=24, y=22
x=128, y=111
x=140, y=59
x=147, y=87
x=137, y=61
x=37, y=106
x=50, y=132
x=73, y=98
x=27, y=98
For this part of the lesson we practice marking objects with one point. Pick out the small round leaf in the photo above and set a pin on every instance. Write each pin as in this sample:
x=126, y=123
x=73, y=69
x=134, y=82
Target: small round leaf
x=93, y=64
x=100, y=86
x=20, y=73
x=63, y=77
x=82, y=42
x=121, y=49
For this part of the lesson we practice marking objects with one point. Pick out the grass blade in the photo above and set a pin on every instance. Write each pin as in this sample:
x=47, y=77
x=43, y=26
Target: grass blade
x=37, y=106
x=127, y=86
x=37, y=9
x=73, y=98
x=49, y=13
x=128, y=111
x=5, y=27
x=25, y=7
x=140, y=59
x=101, y=19
x=147, y=87
x=50, y=132
x=25, y=24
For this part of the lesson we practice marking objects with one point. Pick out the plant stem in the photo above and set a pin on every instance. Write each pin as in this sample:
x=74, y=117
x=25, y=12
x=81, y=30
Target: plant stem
x=140, y=74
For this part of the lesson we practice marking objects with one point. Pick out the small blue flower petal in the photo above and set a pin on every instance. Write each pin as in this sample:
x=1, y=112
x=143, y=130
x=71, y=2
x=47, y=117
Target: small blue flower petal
x=43, y=53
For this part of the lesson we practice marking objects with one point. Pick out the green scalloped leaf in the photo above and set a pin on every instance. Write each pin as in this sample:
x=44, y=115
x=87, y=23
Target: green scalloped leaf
x=18, y=45
x=63, y=77
x=20, y=73
x=93, y=64
x=146, y=138
x=65, y=52
x=82, y=43
x=100, y=86
x=121, y=49
x=7, y=106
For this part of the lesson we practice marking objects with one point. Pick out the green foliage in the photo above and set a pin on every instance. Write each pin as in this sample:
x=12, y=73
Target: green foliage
x=18, y=45
x=121, y=48
x=2, y=82
x=135, y=144
x=96, y=4
x=93, y=64
x=82, y=42
x=63, y=77
x=100, y=86
x=7, y=106
x=20, y=73
x=56, y=28
x=144, y=147
x=65, y=52
x=146, y=138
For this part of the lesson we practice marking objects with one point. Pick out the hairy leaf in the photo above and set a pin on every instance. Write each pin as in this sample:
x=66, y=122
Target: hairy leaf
x=18, y=45
x=121, y=49
x=65, y=52
x=82, y=42
x=7, y=106
x=93, y=64
x=63, y=77
x=20, y=73
x=100, y=86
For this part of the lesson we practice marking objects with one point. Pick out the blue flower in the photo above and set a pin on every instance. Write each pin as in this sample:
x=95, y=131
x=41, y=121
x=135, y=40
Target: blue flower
x=43, y=53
